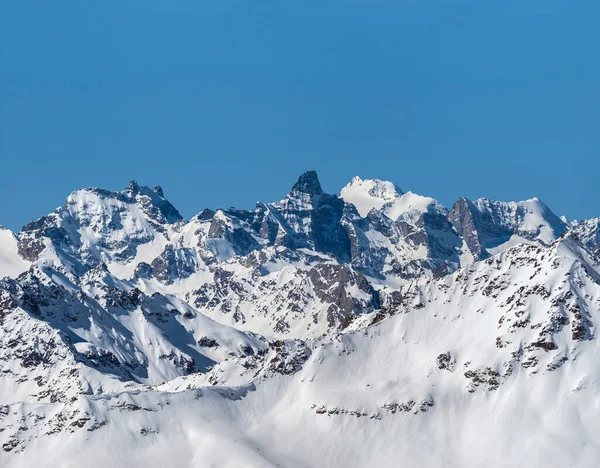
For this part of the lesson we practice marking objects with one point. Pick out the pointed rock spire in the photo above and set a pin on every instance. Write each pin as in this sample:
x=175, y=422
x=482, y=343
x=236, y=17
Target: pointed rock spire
x=133, y=187
x=308, y=183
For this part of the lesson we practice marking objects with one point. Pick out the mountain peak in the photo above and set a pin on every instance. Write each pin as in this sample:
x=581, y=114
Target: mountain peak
x=133, y=187
x=137, y=189
x=308, y=183
x=369, y=193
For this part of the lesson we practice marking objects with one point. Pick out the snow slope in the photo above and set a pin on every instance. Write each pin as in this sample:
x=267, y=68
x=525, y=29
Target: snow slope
x=11, y=264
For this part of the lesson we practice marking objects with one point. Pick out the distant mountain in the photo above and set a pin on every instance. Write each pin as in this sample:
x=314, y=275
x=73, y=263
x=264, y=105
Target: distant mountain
x=369, y=194
x=373, y=328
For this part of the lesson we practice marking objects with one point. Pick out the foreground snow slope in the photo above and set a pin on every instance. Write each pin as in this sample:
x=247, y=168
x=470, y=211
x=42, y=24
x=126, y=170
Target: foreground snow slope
x=494, y=368
x=304, y=333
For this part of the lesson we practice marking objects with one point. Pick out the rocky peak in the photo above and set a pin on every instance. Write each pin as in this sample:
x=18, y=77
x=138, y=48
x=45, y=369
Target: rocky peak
x=463, y=217
x=155, y=205
x=152, y=201
x=309, y=217
x=308, y=183
x=375, y=187
x=133, y=187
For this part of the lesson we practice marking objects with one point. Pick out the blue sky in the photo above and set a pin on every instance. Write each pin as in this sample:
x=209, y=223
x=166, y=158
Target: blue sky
x=226, y=102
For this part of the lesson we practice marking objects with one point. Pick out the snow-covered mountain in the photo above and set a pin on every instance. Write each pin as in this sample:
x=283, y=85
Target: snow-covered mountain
x=373, y=328
x=366, y=195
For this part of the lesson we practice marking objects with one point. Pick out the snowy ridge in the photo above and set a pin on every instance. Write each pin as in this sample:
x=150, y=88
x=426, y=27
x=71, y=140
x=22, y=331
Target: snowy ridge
x=293, y=333
x=369, y=194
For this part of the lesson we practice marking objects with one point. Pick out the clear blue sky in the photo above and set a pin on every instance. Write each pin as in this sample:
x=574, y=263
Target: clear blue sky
x=225, y=102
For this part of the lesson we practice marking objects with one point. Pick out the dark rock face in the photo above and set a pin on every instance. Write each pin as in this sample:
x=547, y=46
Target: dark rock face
x=31, y=239
x=308, y=183
x=153, y=203
x=444, y=361
x=143, y=270
x=462, y=216
x=330, y=283
x=205, y=214
x=265, y=224
x=329, y=234
x=478, y=227
x=313, y=219
x=240, y=239
x=102, y=358
x=30, y=249
x=306, y=218
x=173, y=264
x=207, y=342
x=442, y=241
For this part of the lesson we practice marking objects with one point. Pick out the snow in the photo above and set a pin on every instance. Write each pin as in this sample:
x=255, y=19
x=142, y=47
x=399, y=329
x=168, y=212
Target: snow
x=410, y=205
x=105, y=220
x=494, y=364
x=369, y=194
x=512, y=241
x=144, y=253
x=531, y=218
x=11, y=264
x=532, y=418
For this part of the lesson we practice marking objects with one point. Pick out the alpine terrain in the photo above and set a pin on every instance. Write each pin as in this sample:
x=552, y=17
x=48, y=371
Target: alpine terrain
x=374, y=327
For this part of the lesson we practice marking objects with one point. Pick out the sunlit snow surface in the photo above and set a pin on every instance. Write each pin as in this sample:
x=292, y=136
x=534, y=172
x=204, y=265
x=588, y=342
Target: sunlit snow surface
x=10, y=263
x=369, y=194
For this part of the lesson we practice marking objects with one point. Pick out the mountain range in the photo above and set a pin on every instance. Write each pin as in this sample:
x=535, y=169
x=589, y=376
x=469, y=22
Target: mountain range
x=374, y=327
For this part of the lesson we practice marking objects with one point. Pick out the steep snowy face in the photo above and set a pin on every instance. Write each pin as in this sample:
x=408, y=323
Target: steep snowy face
x=369, y=194
x=530, y=219
x=115, y=328
x=492, y=226
x=423, y=224
x=11, y=263
x=97, y=225
x=410, y=206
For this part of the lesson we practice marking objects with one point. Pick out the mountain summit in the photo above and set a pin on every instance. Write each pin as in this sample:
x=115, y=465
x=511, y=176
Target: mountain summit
x=368, y=194
x=308, y=183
